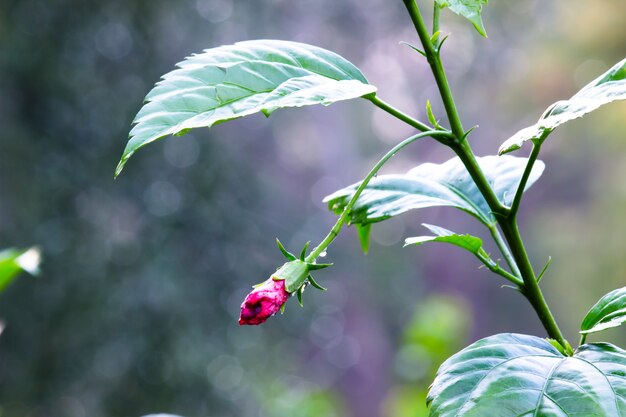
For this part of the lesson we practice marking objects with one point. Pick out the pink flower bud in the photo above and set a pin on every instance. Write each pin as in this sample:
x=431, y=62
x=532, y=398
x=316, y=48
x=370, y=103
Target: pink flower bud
x=263, y=302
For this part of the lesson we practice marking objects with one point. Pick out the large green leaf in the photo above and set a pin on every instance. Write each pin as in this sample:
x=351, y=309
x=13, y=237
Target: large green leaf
x=470, y=9
x=431, y=185
x=237, y=80
x=512, y=375
x=609, y=311
x=14, y=261
x=609, y=87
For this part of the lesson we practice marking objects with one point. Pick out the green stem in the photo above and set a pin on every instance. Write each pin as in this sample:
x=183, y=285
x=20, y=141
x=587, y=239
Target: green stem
x=399, y=114
x=531, y=287
x=436, y=15
x=522, y=185
x=346, y=211
x=504, y=249
x=583, y=339
x=437, y=70
x=508, y=224
x=495, y=268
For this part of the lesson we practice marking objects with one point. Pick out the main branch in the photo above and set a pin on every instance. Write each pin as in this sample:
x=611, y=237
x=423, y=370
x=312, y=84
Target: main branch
x=506, y=219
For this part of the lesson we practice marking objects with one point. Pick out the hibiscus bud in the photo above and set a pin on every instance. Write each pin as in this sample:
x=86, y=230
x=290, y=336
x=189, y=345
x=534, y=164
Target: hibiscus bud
x=263, y=302
x=269, y=297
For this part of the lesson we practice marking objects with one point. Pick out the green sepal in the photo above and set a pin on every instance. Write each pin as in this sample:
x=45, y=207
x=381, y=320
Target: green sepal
x=294, y=273
x=316, y=267
x=282, y=309
x=304, y=249
x=299, y=295
x=364, y=231
x=315, y=284
x=290, y=256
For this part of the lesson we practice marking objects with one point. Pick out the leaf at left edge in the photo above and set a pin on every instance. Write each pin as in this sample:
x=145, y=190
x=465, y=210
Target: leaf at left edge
x=609, y=87
x=14, y=261
x=608, y=312
x=234, y=81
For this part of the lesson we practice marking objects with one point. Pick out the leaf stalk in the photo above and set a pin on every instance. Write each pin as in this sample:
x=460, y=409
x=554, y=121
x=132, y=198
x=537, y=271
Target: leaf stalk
x=346, y=211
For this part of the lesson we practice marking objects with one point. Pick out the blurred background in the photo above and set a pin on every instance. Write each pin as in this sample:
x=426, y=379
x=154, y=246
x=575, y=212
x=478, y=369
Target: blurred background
x=135, y=311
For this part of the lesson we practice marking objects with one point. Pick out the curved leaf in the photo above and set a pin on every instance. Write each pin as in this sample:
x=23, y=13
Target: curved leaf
x=431, y=185
x=609, y=311
x=512, y=375
x=467, y=242
x=237, y=80
x=469, y=9
x=609, y=87
x=14, y=261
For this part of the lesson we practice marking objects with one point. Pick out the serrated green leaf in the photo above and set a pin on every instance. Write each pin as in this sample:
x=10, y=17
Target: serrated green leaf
x=237, y=80
x=608, y=312
x=609, y=87
x=431, y=185
x=364, y=231
x=14, y=261
x=469, y=9
x=513, y=375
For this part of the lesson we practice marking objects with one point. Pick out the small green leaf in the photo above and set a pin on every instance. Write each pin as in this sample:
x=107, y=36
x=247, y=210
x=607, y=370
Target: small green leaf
x=364, y=231
x=514, y=375
x=431, y=116
x=432, y=185
x=468, y=242
x=238, y=80
x=609, y=87
x=469, y=9
x=14, y=261
x=608, y=312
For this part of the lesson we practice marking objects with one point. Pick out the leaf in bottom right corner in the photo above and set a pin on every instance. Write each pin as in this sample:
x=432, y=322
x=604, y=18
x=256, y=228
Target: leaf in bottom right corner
x=514, y=375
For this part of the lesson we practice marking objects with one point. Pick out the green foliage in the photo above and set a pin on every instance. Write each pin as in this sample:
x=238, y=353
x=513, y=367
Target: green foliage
x=237, y=80
x=609, y=87
x=506, y=375
x=14, y=261
x=512, y=375
x=608, y=312
x=432, y=185
x=469, y=9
